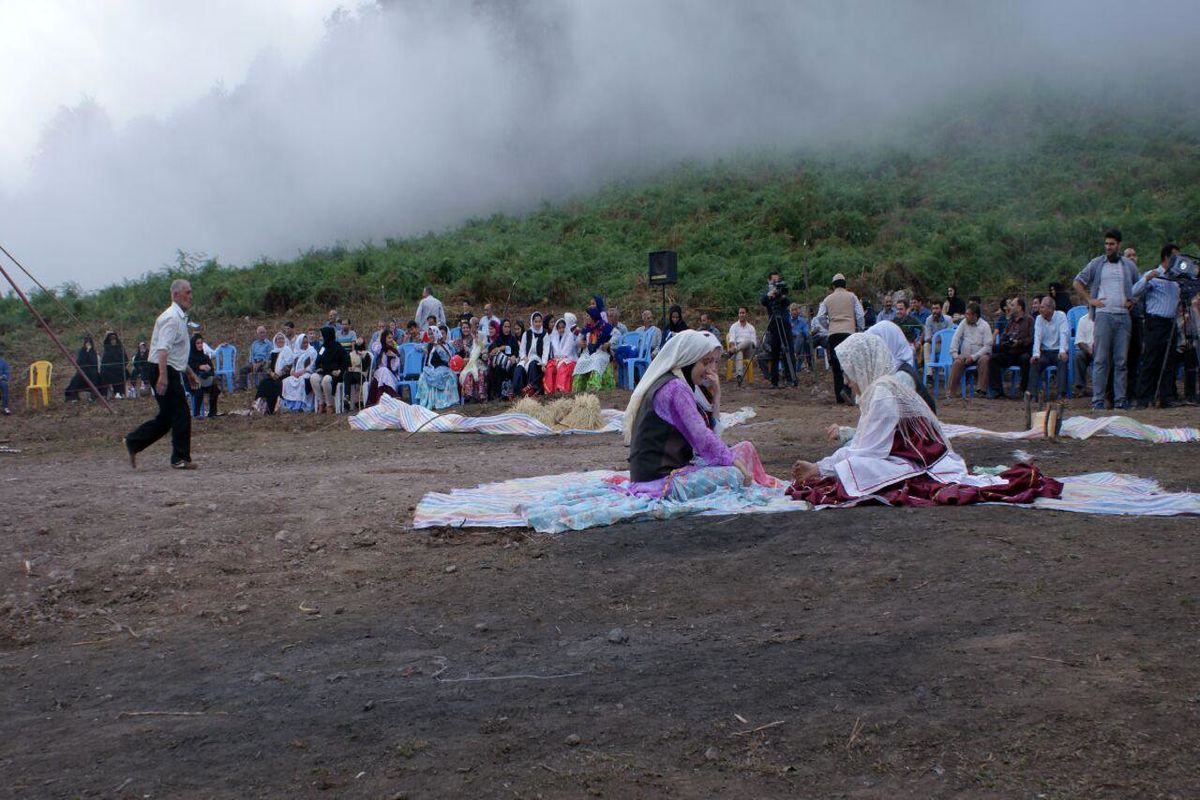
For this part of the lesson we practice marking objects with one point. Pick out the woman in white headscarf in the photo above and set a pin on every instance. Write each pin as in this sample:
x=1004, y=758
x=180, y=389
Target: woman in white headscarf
x=295, y=385
x=532, y=355
x=564, y=350
x=899, y=452
x=671, y=426
x=902, y=358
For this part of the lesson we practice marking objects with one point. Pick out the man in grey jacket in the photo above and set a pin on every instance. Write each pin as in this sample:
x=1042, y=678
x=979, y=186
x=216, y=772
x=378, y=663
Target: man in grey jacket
x=1107, y=283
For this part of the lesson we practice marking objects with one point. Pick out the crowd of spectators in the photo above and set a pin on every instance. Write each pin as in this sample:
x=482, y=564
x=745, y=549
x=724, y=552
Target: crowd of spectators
x=1129, y=337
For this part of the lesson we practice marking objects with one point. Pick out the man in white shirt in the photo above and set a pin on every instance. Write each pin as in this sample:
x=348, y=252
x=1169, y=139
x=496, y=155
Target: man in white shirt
x=1051, y=341
x=168, y=366
x=486, y=321
x=1084, y=335
x=740, y=342
x=430, y=306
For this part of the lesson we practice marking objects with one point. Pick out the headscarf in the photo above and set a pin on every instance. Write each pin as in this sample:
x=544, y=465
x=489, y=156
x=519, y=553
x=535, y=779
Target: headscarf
x=535, y=338
x=684, y=349
x=505, y=339
x=197, y=356
x=598, y=313
x=676, y=326
x=897, y=343
x=867, y=361
x=541, y=318
x=572, y=322
x=563, y=345
x=276, y=346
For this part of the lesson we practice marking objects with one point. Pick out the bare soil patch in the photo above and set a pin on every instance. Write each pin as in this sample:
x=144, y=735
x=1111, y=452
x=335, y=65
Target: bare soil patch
x=270, y=626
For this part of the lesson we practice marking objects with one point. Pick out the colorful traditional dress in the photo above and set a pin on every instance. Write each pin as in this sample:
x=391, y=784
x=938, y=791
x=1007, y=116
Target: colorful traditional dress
x=437, y=388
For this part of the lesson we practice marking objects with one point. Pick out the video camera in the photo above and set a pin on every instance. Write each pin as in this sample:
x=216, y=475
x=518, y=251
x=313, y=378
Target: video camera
x=780, y=286
x=1185, y=271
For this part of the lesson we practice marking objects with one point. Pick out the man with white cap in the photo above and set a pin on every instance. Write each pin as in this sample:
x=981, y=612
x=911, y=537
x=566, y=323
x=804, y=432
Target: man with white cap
x=841, y=314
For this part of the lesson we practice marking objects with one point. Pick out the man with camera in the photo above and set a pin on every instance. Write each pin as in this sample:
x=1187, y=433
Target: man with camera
x=779, y=336
x=1161, y=295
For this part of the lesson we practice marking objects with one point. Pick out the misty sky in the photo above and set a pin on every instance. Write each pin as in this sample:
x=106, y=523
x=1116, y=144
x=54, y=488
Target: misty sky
x=133, y=129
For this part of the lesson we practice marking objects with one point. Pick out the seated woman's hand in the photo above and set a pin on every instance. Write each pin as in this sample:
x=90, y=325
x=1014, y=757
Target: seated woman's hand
x=803, y=470
x=833, y=432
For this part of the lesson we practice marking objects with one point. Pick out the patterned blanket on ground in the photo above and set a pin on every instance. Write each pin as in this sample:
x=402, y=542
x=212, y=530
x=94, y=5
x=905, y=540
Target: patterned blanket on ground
x=393, y=414
x=595, y=501
x=1086, y=427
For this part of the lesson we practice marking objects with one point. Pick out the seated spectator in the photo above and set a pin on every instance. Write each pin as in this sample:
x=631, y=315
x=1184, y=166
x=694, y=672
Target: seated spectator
x=801, y=337
x=5, y=377
x=649, y=329
x=357, y=372
x=910, y=326
x=472, y=379
x=888, y=312
x=140, y=370
x=328, y=371
x=532, y=355
x=260, y=353
x=971, y=347
x=675, y=323
x=270, y=384
x=295, y=385
x=564, y=350
x=707, y=326
x=917, y=309
x=1014, y=349
x=936, y=322
x=287, y=354
x=1051, y=342
x=201, y=364
x=388, y=365
x=383, y=326
x=437, y=388
x=289, y=330
x=412, y=333
x=593, y=370
x=345, y=334
x=740, y=343
x=89, y=365
x=614, y=318
x=487, y=323
x=502, y=359
x=955, y=307
x=113, y=374
x=1062, y=299
x=1084, y=353
x=465, y=314
x=429, y=334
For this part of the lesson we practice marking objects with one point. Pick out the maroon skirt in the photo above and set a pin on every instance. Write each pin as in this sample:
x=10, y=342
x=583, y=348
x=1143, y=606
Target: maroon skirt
x=1023, y=483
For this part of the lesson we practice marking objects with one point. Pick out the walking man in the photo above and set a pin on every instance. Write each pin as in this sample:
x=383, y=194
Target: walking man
x=1107, y=283
x=840, y=314
x=167, y=368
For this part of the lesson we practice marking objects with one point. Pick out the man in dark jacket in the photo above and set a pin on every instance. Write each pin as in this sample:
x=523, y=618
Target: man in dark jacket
x=779, y=336
x=1014, y=350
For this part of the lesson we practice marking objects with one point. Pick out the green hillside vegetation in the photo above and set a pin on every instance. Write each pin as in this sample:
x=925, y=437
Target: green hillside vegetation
x=990, y=207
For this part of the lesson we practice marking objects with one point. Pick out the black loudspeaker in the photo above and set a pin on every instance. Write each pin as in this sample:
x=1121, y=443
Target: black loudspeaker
x=664, y=268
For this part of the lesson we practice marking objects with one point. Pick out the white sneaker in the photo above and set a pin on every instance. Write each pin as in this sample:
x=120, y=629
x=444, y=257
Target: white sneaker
x=118, y=395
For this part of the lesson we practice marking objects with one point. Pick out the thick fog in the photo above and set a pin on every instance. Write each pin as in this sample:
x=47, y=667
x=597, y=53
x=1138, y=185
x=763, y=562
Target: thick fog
x=417, y=115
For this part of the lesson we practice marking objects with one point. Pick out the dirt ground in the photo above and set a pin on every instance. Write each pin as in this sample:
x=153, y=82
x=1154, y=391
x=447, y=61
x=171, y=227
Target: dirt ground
x=270, y=626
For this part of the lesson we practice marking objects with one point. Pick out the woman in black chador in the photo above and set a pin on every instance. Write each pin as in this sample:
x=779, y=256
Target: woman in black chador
x=112, y=366
x=89, y=364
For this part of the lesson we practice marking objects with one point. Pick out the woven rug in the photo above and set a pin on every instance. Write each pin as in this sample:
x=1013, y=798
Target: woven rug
x=1087, y=427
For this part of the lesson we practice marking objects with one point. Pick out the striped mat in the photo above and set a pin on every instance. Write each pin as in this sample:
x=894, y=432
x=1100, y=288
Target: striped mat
x=393, y=414
x=1087, y=427
x=497, y=505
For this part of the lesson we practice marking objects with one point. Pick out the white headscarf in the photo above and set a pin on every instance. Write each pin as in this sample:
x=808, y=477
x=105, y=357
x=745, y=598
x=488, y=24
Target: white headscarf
x=684, y=349
x=563, y=345
x=893, y=337
x=867, y=361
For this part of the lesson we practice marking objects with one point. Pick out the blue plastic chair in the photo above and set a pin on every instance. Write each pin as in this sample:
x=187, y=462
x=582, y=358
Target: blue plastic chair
x=631, y=341
x=226, y=365
x=414, y=362
x=1015, y=374
x=1073, y=317
x=939, y=364
x=971, y=372
x=639, y=363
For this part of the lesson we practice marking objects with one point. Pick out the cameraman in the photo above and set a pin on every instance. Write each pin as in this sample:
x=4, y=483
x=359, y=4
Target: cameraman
x=1158, y=332
x=779, y=330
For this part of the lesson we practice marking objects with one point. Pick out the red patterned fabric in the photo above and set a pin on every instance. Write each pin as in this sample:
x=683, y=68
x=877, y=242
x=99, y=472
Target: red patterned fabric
x=1023, y=484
